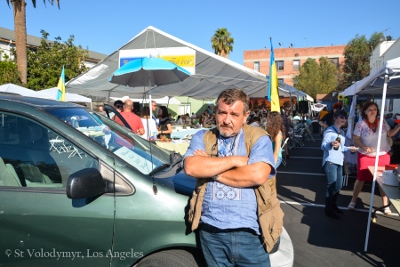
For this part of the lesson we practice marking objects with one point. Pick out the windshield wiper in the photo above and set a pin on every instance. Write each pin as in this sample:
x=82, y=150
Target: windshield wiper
x=175, y=159
x=159, y=168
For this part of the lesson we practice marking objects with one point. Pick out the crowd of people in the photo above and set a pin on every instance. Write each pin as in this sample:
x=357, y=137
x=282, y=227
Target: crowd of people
x=332, y=123
x=158, y=124
x=241, y=160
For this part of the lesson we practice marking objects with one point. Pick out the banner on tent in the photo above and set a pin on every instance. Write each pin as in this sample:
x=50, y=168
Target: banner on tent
x=184, y=57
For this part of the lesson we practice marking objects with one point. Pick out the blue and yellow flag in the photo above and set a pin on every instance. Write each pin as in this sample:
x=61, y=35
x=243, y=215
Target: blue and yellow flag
x=61, y=86
x=273, y=95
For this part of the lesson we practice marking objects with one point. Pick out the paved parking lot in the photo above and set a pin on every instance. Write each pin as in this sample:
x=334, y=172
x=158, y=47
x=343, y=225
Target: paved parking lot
x=322, y=241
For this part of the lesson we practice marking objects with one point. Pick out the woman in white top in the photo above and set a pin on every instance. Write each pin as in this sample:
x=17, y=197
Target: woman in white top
x=149, y=124
x=365, y=136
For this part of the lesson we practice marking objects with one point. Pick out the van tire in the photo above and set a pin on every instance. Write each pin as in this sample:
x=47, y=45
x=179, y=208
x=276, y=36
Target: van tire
x=176, y=258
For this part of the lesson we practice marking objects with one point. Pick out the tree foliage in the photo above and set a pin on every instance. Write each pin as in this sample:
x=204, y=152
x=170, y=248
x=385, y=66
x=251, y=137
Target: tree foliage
x=222, y=42
x=317, y=78
x=19, y=11
x=9, y=72
x=357, y=57
x=45, y=62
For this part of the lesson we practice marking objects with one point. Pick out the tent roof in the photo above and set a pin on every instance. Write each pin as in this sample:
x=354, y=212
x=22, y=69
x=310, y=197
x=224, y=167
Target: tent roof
x=16, y=89
x=373, y=84
x=51, y=93
x=213, y=73
x=286, y=91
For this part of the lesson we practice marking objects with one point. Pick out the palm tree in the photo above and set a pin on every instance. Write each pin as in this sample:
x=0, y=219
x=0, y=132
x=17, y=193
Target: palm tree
x=222, y=42
x=19, y=9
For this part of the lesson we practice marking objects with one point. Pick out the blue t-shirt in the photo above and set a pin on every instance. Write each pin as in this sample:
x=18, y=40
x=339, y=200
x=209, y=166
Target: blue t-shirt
x=227, y=207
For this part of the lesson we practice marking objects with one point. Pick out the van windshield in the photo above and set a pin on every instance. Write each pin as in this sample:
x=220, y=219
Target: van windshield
x=136, y=151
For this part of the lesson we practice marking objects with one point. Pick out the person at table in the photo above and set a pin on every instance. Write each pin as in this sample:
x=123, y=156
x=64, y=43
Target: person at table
x=225, y=203
x=153, y=111
x=332, y=162
x=164, y=126
x=211, y=120
x=287, y=123
x=102, y=111
x=149, y=124
x=131, y=118
x=179, y=120
x=365, y=136
x=254, y=121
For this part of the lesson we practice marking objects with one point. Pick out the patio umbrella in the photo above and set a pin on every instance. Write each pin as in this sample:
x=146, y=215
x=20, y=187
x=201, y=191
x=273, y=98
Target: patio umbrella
x=149, y=72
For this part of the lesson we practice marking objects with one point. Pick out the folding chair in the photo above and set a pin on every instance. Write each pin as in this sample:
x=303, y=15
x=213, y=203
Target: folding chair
x=58, y=145
x=74, y=151
x=284, y=152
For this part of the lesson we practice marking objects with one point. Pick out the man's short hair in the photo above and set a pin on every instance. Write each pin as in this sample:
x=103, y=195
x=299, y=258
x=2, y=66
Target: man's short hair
x=230, y=96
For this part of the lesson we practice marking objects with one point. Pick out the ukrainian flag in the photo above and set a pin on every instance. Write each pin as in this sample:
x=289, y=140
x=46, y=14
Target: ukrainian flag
x=61, y=86
x=273, y=95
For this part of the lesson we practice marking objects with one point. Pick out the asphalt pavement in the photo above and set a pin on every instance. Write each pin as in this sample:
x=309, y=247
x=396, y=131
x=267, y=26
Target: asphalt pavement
x=322, y=241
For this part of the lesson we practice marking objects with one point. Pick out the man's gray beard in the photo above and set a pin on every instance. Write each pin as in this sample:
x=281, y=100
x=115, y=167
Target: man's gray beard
x=226, y=136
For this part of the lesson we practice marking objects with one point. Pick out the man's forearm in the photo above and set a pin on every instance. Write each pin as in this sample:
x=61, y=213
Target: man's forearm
x=246, y=176
x=200, y=166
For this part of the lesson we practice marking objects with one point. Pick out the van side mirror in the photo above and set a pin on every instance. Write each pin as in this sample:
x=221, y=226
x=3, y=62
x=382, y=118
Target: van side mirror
x=85, y=183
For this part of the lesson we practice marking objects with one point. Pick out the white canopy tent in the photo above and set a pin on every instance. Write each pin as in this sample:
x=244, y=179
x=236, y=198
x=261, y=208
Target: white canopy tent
x=16, y=89
x=284, y=90
x=373, y=84
x=213, y=73
x=384, y=82
x=51, y=93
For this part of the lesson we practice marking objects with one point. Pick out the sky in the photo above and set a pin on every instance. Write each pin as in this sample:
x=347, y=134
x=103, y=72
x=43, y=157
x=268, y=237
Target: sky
x=104, y=26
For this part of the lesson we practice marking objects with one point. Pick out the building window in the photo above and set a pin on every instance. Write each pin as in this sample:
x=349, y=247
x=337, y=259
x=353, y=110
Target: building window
x=295, y=81
x=279, y=65
x=296, y=64
x=335, y=61
x=280, y=80
x=257, y=65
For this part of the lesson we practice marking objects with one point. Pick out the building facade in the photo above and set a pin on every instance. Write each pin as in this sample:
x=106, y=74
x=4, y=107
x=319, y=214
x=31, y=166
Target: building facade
x=7, y=42
x=385, y=51
x=289, y=60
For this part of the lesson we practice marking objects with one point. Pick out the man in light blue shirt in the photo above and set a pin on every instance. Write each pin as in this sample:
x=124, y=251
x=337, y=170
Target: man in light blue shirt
x=229, y=227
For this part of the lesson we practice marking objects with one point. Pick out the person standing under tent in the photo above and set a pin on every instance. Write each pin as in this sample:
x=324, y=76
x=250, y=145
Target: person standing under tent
x=131, y=118
x=149, y=124
x=286, y=122
x=327, y=120
x=153, y=111
x=276, y=130
x=165, y=125
x=332, y=163
x=365, y=136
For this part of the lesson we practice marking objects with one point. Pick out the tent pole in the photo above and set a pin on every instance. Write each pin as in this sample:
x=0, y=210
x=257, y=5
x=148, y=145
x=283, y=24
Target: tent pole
x=376, y=160
x=150, y=110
